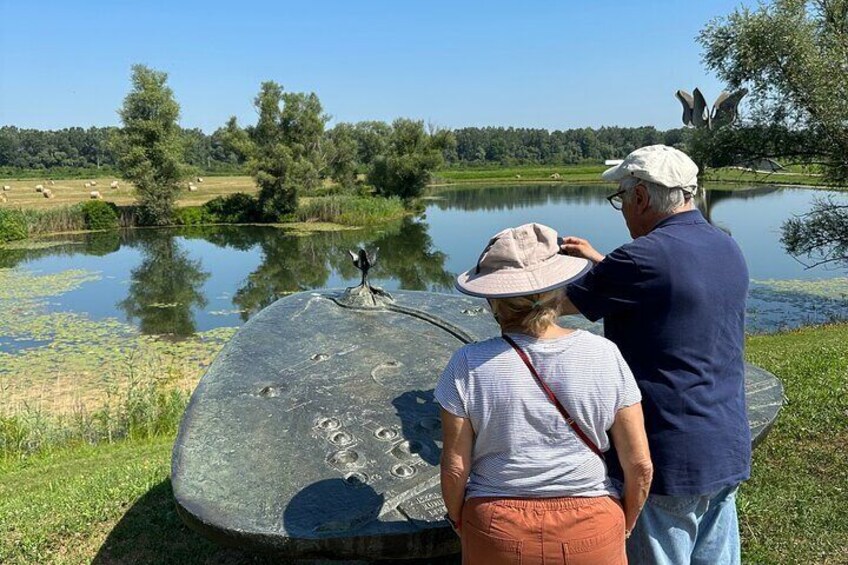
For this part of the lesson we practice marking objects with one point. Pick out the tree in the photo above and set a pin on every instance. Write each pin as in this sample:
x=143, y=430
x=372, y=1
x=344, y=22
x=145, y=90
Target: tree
x=411, y=156
x=283, y=149
x=149, y=147
x=342, y=151
x=792, y=56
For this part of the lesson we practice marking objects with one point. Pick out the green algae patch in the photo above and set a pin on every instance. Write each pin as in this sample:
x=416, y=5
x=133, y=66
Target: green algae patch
x=831, y=289
x=65, y=362
x=36, y=244
x=775, y=305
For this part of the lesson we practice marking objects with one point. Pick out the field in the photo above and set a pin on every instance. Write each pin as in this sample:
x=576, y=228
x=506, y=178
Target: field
x=74, y=191
x=527, y=173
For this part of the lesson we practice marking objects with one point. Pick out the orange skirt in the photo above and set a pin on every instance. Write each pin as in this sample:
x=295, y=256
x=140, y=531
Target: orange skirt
x=540, y=531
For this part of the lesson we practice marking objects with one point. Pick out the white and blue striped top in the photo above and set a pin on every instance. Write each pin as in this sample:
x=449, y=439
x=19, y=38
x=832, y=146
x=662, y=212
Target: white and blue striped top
x=523, y=447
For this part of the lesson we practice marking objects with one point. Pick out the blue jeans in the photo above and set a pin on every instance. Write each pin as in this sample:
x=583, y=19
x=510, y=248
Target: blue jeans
x=684, y=530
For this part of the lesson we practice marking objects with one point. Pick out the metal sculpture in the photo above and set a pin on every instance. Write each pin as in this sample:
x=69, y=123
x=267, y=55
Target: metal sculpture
x=697, y=113
x=363, y=261
x=365, y=295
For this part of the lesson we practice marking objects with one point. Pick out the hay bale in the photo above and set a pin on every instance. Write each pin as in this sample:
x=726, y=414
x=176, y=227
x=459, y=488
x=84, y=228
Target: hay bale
x=95, y=195
x=199, y=179
x=52, y=182
x=192, y=188
x=47, y=193
x=114, y=184
x=94, y=183
x=7, y=187
x=39, y=188
x=88, y=185
x=518, y=176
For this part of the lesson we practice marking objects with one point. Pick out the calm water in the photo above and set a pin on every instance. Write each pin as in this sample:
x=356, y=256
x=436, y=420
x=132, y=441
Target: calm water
x=182, y=281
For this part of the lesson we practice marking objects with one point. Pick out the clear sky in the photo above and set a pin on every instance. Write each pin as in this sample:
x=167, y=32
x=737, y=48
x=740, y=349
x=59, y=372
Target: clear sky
x=550, y=64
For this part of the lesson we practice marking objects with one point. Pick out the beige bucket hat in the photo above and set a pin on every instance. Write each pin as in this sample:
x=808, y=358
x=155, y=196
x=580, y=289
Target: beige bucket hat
x=520, y=261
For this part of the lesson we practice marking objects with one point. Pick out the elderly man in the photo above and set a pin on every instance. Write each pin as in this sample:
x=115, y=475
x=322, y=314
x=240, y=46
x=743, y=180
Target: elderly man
x=673, y=300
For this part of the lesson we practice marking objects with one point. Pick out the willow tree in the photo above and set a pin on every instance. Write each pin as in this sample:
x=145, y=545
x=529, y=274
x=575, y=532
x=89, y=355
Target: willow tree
x=283, y=150
x=149, y=146
x=793, y=57
x=410, y=157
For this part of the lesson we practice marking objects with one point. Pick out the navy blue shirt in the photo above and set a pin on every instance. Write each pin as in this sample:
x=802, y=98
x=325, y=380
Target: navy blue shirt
x=673, y=301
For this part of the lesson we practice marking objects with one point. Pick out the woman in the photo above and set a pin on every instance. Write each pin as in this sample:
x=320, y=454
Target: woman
x=526, y=418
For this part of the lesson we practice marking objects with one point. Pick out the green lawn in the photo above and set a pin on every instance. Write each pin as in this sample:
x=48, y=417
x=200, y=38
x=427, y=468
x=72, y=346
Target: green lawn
x=112, y=503
x=567, y=173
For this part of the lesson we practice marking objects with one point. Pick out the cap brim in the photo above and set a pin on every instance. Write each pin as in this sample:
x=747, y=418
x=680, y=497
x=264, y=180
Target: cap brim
x=556, y=273
x=615, y=174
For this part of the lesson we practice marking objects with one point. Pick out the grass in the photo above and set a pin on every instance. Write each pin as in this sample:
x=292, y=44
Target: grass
x=112, y=503
x=742, y=176
x=793, y=508
x=534, y=173
x=349, y=210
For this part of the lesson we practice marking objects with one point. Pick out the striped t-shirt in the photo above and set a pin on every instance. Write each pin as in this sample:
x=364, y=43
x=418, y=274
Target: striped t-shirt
x=522, y=445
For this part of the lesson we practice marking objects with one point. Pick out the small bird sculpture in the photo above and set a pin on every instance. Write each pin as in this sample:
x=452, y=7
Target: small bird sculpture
x=364, y=262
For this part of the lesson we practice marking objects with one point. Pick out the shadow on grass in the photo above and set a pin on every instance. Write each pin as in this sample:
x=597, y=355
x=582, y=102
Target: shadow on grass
x=152, y=532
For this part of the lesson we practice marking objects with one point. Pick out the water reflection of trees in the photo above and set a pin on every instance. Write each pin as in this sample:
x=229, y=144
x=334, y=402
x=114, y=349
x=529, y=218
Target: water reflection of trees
x=517, y=197
x=292, y=263
x=165, y=286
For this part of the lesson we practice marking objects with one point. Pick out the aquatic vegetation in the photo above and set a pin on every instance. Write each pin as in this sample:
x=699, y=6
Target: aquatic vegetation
x=781, y=304
x=75, y=365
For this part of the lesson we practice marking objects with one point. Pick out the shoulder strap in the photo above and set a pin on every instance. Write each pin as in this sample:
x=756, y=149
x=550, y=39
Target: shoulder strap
x=552, y=397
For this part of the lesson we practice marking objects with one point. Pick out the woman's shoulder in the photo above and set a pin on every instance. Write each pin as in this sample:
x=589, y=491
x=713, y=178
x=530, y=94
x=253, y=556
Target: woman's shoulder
x=485, y=348
x=592, y=342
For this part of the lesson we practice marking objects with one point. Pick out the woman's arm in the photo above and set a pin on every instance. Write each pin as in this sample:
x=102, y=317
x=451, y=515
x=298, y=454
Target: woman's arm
x=631, y=444
x=457, y=441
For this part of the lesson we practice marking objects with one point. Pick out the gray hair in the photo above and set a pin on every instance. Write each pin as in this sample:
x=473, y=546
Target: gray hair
x=662, y=199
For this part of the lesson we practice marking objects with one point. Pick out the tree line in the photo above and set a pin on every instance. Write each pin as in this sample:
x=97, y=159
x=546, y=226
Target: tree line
x=24, y=149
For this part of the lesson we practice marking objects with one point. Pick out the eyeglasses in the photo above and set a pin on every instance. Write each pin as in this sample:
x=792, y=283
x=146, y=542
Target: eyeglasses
x=616, y=200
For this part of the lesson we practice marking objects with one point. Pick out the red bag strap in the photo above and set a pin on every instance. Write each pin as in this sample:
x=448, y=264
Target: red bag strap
x=552, y=397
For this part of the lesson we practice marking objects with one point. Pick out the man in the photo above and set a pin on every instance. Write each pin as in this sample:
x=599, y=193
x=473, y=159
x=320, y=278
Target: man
x=673, y=300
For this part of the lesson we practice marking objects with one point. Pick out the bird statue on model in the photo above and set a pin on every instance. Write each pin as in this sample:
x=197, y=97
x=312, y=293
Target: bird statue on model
x=365, y=295
x=363, y=261
x=724, y=112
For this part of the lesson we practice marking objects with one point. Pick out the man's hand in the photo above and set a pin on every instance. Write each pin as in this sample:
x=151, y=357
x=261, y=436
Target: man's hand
x=577, y=247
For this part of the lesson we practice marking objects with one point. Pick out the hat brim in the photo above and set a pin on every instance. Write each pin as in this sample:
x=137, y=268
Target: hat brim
x=615, y=174
x=555, y=273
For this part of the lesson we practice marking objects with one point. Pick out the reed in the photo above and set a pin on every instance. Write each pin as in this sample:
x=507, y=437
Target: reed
x=349, y=210
x=145, y=404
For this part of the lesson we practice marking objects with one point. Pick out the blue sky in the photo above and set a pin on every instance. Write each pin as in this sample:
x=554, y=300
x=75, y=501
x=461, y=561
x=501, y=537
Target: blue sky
x=555, y=65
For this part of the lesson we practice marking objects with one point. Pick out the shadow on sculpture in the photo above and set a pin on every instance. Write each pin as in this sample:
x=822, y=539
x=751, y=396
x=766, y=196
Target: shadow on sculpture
x=421, y=424
x=332, y=506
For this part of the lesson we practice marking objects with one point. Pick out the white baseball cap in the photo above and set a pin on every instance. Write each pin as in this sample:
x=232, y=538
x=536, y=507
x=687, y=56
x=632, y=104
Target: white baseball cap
x=659, y=164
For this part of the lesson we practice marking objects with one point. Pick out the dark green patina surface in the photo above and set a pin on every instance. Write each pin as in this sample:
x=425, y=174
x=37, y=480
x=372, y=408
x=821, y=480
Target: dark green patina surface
x=315, y=432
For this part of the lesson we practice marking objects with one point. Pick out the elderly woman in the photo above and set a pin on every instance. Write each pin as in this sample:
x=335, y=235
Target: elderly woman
x=527, y=416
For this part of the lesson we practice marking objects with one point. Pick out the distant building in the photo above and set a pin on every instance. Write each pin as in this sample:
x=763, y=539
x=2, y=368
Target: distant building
x=613, y=162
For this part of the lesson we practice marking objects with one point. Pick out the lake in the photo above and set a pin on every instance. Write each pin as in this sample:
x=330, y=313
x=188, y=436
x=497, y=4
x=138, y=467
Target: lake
x=177, y=282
